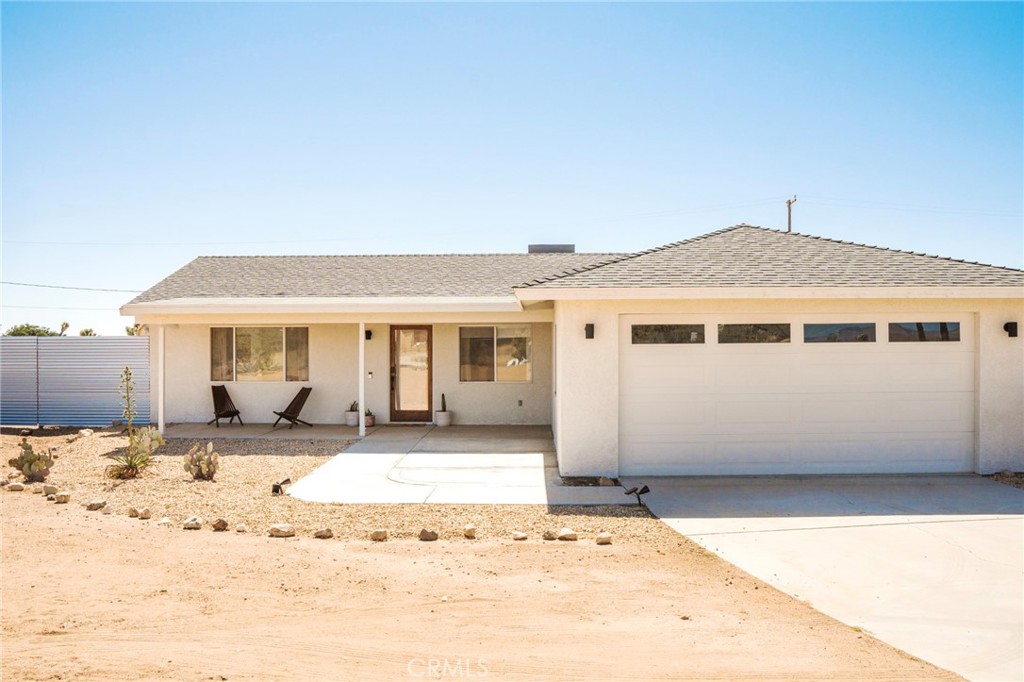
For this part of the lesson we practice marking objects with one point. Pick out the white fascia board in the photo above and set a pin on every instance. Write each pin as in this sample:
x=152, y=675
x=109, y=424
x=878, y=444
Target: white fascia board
x=367, y=304
x=635, y=294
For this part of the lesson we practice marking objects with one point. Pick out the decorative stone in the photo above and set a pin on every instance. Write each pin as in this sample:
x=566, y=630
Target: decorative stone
x=519, y=536
x=25, y=432
x=469, y=531
x=428, y=535
x=241, y=528
x=324, y=534
x=145, y=513
x=85, y=432
x=379, y=535
x=567, y=534
x=36, y=490
x=282, y=530
x=133, y=512
x=604, y=538
x=15, y=487
x=95, y=505
x=51, y=498
x=605, y=481
x=550, y=535
x=62, y=498
x=193, y=523
x=49, y=489
x=220, y=525
x=165, y=521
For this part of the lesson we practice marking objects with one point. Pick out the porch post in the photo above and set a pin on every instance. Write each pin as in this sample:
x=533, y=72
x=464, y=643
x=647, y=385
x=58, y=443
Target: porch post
x=160, y=343
x=362, y=379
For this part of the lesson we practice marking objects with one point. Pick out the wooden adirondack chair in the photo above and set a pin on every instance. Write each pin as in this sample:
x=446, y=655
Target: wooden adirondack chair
x=223, y=408
x=291, y=413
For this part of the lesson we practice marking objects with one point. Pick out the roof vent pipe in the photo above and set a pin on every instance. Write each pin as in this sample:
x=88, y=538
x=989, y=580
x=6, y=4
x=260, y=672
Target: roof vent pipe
x=552, y=248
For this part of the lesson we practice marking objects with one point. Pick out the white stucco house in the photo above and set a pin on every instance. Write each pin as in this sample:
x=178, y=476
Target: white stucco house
x=743, y=351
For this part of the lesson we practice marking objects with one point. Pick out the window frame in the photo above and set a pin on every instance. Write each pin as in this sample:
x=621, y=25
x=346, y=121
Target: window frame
x=284, y=353
x=494, y=352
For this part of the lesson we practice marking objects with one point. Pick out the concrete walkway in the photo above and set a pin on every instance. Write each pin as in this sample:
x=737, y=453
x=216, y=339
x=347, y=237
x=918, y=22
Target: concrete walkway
x=933, y=565
x=452, y=465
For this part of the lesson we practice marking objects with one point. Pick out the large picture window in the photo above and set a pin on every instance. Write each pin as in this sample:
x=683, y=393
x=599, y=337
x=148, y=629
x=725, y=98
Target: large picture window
x=496, y=353
x=259, y=354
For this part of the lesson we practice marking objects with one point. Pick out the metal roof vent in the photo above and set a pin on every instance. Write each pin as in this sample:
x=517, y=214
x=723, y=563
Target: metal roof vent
x=552, y=248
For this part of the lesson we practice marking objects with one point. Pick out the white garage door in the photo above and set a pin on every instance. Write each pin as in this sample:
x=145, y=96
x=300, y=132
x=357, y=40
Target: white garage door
x=704, y=395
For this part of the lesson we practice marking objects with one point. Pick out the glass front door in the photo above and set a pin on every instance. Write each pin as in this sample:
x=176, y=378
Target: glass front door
x=411, y=378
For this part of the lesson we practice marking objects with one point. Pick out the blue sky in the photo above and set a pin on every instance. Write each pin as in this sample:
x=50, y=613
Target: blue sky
x=138, y=136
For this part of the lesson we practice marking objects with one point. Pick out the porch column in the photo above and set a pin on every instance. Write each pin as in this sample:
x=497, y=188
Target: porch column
x=160, y=344
x=362, y=379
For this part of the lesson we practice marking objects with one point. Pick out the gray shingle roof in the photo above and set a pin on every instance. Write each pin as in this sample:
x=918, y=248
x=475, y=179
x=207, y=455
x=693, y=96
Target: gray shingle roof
x=747, y=256
x=357, y=276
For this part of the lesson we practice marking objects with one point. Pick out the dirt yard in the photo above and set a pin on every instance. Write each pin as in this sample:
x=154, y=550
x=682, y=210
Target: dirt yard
x=94, y=596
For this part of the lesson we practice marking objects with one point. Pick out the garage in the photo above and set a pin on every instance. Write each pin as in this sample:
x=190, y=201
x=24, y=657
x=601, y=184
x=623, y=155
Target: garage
x=796, y=394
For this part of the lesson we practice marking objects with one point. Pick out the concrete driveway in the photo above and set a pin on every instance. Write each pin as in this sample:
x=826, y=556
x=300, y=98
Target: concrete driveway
x=933, y=565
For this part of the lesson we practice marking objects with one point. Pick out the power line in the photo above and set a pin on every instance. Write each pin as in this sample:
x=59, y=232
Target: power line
x=43, y=307
x=55, y=286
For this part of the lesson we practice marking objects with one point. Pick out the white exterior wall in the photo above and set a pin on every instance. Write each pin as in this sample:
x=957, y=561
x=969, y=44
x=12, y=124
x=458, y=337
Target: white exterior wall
x=333, y=375
x=587, y=370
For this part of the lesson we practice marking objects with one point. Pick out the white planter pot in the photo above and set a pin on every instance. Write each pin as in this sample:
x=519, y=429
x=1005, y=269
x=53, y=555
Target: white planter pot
x=443, y=418
x=351, y=419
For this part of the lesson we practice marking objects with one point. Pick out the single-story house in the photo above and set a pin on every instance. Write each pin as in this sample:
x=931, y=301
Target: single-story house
x=742, y=351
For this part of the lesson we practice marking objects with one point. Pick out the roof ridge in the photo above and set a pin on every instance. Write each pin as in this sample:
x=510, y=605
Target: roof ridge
x=412, y=255
x=629, y=256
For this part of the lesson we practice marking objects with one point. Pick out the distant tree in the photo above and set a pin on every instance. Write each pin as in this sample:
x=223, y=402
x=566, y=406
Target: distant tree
x=30, y=330
x=63, y=328
x=134, y=330
x=87, y=332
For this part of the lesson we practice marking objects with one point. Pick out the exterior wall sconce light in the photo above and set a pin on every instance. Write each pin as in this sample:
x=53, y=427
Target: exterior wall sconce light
x=1011, y=329
x=588, y=330
x=369, y=334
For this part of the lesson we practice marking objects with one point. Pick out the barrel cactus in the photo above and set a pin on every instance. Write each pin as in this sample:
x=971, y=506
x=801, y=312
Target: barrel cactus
x=202, y=463
x=34, y=466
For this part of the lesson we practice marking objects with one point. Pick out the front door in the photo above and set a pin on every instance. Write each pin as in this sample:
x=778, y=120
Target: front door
x=411, y=374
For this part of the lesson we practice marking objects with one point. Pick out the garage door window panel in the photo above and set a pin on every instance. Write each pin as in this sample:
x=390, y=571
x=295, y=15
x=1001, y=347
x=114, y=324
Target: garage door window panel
x=667, y=333
x=859, y=332
x=754, y=333
x=922, y=332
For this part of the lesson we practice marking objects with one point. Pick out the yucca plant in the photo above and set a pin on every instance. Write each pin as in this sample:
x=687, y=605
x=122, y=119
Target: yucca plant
x=142, y=443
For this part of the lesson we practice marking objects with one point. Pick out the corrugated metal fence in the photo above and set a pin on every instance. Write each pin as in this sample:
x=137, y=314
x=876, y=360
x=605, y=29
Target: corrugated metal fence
x=70, y=380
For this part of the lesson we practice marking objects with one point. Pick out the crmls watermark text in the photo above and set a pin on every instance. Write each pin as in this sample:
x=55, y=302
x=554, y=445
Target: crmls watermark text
x=446, y=669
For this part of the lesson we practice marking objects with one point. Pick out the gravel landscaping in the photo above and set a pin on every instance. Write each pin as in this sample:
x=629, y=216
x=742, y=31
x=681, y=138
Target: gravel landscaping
x=241, y=493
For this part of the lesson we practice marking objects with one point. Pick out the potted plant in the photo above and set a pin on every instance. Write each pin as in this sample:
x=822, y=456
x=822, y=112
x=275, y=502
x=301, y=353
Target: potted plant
x=352, y=415
x=443, y=417
x=370, y=419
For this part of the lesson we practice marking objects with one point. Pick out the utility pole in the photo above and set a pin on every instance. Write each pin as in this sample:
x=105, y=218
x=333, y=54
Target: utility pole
x=789, y=213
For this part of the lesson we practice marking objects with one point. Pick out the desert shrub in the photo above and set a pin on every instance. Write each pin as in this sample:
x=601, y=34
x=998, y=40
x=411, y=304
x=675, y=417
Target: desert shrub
x=34, y=466
x=201, y=462
x=142, y=443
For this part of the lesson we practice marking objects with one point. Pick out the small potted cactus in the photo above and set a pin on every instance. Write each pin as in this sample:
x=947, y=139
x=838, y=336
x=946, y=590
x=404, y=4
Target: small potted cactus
x=443, y=417
x=35, y=467
x=370, y=418
x=352, y=415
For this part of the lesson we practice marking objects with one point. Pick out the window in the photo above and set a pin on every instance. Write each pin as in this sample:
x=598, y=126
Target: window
x=496, y=353
x=667, y=333
x=753, y=333
x=259, y=354
x=924, y=331
x=855, y=332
